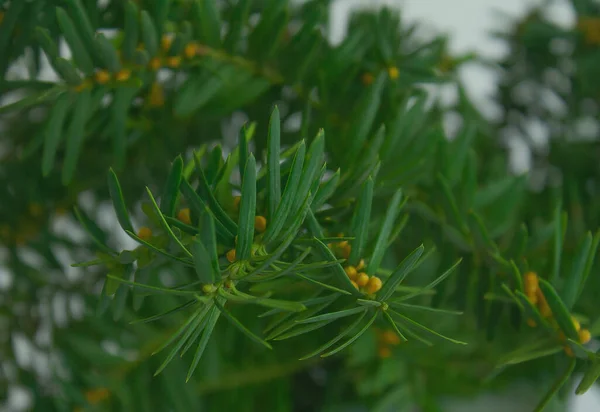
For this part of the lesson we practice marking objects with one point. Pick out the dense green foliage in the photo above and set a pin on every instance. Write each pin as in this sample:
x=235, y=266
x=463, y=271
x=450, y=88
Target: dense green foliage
x=298, y=230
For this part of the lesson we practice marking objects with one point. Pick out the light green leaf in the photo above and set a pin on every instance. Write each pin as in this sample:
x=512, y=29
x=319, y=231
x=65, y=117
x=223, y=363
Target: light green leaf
x=389, y=287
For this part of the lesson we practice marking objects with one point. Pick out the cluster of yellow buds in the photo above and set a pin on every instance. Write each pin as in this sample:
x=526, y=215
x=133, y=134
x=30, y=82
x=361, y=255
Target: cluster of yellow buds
x=361, y=281
x=341, y=249
x=386, y=339
x=590, y=27
x=536, y=297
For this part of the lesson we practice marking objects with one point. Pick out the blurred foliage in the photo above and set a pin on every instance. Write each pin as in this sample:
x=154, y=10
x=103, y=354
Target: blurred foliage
x=302, y=200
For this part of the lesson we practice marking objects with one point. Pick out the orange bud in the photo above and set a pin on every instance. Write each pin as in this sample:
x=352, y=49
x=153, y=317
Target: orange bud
x=184, y=216
x=165, y=42
x=174, y=61
x=374, y=285
x=576, y=323
x=190, y=50
x=145, y=233
x=367, y=78
x=260, y=224
x=568, y=351
x=384, y=352
x=102, y=77
x=123, y=75
x=531, y=323
x=346, y=251
x=351, y=272
x=231, y=256
x=362, y=279
x=390, y=337
x=155, y=63
x=584, y=336
x=95, y=396
x=236, y=201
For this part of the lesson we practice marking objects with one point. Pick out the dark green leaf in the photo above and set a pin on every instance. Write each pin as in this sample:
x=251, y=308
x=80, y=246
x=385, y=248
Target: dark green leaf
x=590, y=377
x=208, y=330
x=149, y=34
x=389, y=287
x=131, y=32
x=338, y=337
x=289, y=196
x=333, y=315
x=54, y=132
x=76, y=134
x=168, y=200
x=120, y=111
x=241, y=327
x=247, y=211
x=208, y=237
x=207, y=195
x=274, y=175
x=80, y=54
x=165, y=225
x=417, y=325
x=360, y=222
x=384, y=234
x=167, y=313
x=108, y=53
x=352, y=339
x=432, y=284
x=340, y=275
x=118, y=201
x=560, y=382
x=208, y=23
x=574, y=281
x=559, y=310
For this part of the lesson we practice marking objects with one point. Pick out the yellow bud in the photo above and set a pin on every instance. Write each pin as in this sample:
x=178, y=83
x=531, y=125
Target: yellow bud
x=173, y=61
x=531, y=323
x=145, y=233
x=351, y=272
x=374, y=285
x=362, y=279
x=354, y=284
x=35, y=209
x=102, y=77
x=231, y=256
x=545, y=310
x=576, y=323
x=157, y=97
x=82, y=86
x=531, y=283
x=367, y=79
x=568, y=351
x=346, y=251
x=236, y=201
x=123, y=75
x=393, y=72
x=184, y=216
x=95, y=396
x=190, y=50
x=165, y=42
x=155, y=63
x=584, y=336
x=384, y=352
x=390, y=337
x=260, y=224
x=361, y=265
x=533, y=299
x=343, y=244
